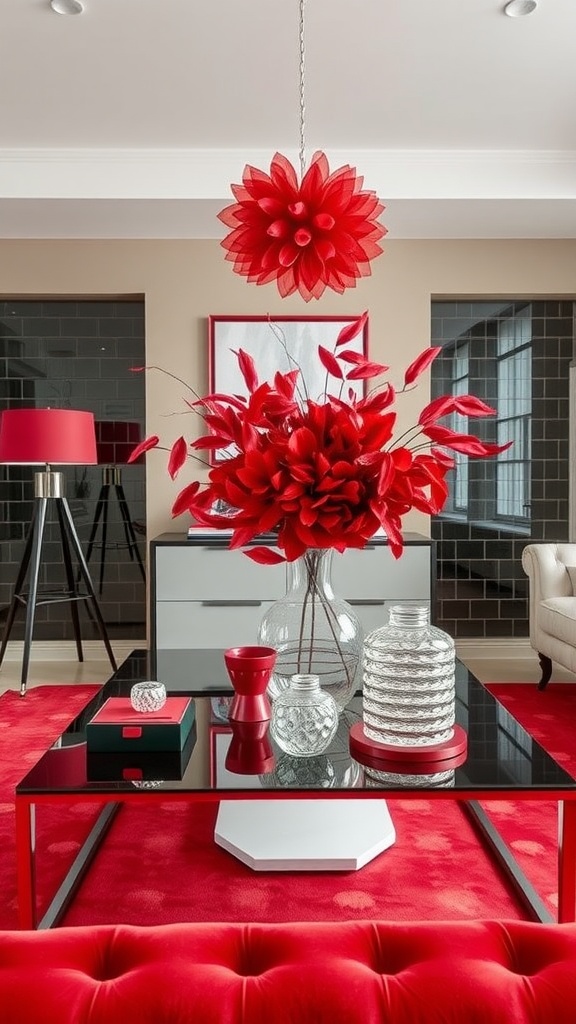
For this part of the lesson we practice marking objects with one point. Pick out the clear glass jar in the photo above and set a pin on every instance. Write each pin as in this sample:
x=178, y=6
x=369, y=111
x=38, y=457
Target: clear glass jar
x=313, y=630
x=304, y=717
x=408, y=687
x=315, y=772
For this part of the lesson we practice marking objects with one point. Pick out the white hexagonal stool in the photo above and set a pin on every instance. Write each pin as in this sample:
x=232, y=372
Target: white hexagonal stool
x=304, y=835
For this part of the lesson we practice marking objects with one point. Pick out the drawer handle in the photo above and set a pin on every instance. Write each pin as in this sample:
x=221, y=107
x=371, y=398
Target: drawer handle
x=366, y=601
x=231, y=604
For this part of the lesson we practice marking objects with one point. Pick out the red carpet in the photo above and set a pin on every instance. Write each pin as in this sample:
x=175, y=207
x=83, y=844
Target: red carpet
x=160, y=864
x=28, y=726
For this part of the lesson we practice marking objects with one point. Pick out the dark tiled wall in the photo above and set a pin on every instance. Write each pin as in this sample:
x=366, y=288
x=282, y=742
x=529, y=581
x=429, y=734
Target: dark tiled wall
x=482, y=589
x=75, y=354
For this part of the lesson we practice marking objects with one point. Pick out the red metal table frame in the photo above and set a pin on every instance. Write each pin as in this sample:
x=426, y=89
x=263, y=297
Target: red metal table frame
x=26, y=843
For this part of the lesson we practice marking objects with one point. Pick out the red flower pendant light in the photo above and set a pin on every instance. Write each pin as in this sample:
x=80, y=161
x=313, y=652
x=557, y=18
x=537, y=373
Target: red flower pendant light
x=308, y=235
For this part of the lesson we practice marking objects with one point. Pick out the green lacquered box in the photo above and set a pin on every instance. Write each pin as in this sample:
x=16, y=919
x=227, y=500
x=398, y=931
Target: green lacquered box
x=116, y=727
x=140, y=766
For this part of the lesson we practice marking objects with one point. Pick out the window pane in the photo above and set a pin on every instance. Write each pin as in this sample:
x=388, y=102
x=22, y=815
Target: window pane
x=514, y=374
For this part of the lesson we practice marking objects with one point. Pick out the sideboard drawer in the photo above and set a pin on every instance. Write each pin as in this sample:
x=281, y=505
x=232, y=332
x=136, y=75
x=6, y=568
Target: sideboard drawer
x=198, y=573
x=373, y=573
x=182, y=624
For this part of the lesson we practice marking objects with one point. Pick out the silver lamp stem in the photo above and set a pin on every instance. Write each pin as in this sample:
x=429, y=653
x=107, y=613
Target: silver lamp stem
x=49, y=484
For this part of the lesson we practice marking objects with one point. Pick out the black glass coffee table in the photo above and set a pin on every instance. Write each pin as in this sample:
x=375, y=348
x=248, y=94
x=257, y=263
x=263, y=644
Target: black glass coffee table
x=502, y=762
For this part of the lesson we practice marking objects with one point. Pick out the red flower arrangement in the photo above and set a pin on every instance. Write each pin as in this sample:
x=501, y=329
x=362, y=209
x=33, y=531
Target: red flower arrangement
x=309, y=236
x=320, y=474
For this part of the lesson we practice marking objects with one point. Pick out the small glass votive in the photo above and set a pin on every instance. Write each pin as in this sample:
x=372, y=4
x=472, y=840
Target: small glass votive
x=148, y=695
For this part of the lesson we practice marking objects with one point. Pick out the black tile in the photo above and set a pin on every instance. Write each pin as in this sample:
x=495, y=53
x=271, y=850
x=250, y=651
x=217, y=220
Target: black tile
x=470, y=628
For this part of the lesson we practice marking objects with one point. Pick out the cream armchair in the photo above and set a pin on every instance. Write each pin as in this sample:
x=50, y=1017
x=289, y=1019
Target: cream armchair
x=551, y=570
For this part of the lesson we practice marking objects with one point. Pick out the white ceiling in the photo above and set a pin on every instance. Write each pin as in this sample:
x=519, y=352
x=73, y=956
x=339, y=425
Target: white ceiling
x=132, y=119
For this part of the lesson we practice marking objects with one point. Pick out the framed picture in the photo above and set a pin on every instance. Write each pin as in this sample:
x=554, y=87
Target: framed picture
x=277, y=343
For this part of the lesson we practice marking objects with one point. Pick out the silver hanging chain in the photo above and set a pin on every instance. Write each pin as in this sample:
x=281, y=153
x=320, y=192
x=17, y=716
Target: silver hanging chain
x=302, y=104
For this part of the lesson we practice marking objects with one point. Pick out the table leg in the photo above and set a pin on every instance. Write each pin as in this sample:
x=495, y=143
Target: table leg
x=26, y=861
x=506, y=860
x=566, y=860
x=77, y=869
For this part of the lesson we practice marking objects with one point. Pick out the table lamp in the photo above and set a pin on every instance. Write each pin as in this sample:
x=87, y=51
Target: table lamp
x=115, y=440
x=49, y=437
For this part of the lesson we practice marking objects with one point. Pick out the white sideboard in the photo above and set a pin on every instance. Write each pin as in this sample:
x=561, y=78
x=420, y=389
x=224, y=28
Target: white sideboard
x=204, y=595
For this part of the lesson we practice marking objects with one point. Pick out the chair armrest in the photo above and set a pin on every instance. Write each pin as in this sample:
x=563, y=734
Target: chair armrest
x=545, y=566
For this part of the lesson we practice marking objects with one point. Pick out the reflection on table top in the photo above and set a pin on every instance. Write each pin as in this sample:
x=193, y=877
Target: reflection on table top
x=501, y=756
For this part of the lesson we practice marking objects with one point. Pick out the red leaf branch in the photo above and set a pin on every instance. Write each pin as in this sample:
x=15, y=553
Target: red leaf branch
x=328, y=473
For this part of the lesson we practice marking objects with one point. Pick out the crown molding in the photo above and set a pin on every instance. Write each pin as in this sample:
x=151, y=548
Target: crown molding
x=207, y=174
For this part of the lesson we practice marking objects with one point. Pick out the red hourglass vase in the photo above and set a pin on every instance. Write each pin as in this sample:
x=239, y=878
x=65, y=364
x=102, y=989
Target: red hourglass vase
x=250, y=669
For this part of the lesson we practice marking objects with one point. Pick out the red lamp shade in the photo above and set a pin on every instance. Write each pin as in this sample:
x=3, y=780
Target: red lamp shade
x=115, y=440
x=47, y=437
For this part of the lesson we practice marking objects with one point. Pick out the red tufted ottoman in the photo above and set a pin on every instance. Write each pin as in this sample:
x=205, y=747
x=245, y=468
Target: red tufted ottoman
x=484, y=972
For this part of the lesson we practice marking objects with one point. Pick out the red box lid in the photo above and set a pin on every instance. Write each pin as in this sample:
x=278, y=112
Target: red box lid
x=119, y=711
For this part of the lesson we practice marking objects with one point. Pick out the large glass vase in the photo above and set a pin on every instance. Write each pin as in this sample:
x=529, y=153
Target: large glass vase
x=313, y=630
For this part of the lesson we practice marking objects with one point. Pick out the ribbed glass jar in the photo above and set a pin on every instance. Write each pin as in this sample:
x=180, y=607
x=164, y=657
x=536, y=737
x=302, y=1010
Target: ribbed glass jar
x=304, y=717
x=313, y=630
x=408, y=680
x=375, y=779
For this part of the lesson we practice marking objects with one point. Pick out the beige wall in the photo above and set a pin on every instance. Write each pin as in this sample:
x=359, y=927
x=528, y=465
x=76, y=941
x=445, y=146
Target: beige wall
x=184, y=281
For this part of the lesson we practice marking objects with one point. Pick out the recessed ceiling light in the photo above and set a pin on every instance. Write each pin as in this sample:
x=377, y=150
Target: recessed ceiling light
x=520, y=8
x=67, y=6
